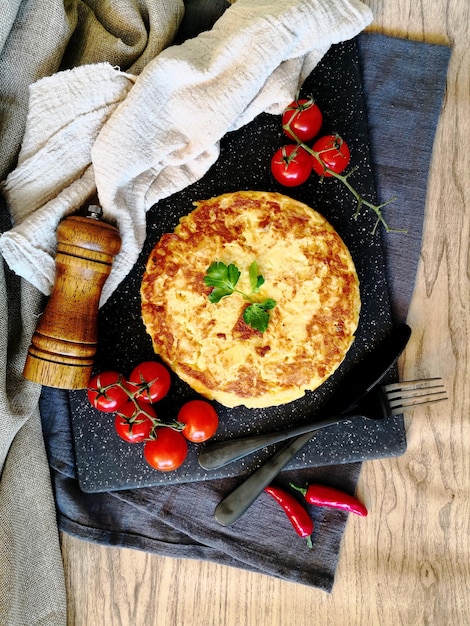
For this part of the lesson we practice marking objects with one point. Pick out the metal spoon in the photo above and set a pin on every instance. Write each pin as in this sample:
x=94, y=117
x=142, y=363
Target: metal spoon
x=355, y=386
x=221, y=453
x=380, y=403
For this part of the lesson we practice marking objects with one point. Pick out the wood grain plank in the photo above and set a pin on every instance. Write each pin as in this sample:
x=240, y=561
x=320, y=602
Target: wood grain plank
x=407, y=563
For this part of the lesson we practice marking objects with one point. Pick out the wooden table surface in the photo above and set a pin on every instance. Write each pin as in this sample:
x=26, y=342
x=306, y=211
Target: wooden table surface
x=408, y=562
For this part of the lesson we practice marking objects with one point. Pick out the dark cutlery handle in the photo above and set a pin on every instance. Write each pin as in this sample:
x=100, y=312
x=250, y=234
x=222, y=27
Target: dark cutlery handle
x=358, y=382
x=221, y=453
x=236, y=503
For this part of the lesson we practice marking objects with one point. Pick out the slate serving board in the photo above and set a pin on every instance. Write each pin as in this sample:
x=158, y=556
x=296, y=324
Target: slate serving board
x=104, y=462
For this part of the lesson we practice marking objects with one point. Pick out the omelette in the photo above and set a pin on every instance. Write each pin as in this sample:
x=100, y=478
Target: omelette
x=307, y=272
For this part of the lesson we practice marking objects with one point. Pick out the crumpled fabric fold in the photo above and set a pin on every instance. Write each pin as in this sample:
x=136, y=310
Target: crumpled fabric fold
x=140, y=139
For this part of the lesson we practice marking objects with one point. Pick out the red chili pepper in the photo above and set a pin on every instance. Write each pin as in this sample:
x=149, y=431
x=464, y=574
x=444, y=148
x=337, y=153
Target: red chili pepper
x=296, y=513
x=322, y=495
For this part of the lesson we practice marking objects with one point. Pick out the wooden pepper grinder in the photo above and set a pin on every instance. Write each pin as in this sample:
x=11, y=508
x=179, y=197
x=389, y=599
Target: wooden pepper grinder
x=63, y=346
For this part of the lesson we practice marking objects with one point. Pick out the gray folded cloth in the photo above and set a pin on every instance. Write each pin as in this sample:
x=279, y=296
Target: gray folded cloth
x=403, y=85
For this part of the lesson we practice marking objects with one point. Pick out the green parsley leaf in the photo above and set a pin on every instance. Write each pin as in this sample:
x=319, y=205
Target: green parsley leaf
x=224, y=278
x=220, y=275
x=233, y=274
x=218, y=293
x=268, y=304
x=256, y=280
x=255, y=316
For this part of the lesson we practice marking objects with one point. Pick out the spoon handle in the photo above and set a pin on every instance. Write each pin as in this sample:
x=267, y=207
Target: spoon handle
x=359, y=381
x=221, y=453
x=237, y=502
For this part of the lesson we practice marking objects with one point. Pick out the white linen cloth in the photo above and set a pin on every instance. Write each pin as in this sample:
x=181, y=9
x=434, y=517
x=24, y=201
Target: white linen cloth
x=139, y=139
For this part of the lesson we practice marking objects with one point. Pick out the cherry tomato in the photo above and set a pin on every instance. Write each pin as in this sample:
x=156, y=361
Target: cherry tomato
x=334, y=152
x=167, y=451
x=305, y=120
x=201, y=420
x=133, y=423
x=108, y=391
x=151, y=380
x=291, y=165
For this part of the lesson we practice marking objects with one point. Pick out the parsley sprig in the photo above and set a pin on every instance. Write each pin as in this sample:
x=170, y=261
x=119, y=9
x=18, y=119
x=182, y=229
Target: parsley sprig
x=224, y=278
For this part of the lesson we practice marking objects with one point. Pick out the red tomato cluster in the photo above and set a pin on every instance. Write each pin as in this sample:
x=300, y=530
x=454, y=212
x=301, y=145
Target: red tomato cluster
x=136, y=420
x=293, y=164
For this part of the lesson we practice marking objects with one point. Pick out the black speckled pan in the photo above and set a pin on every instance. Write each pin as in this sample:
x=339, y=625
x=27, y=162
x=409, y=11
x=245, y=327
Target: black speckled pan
x=104, y=462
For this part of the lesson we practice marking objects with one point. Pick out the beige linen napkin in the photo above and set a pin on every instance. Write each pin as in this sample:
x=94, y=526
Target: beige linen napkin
x=140, y=139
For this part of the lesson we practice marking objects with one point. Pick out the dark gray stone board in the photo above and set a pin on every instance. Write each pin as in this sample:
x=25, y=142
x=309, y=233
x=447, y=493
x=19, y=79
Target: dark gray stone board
x=106, y=463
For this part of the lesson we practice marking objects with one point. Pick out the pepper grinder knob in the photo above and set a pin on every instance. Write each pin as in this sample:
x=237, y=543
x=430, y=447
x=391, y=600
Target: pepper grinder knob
x=64, y=344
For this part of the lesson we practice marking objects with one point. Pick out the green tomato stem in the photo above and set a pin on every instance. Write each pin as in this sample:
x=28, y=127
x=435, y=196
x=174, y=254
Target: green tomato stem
x=377, y=208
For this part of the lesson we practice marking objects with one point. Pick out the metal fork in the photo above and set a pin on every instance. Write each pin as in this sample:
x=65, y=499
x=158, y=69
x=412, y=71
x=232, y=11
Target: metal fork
x=383, y=401
x=396, y=398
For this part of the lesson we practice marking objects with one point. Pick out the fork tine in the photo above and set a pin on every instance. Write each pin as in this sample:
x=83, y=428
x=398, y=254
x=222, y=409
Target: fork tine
x=409, y=394
x=401, y=408
x=415, y=392
x=399, y=404
x=418, y=383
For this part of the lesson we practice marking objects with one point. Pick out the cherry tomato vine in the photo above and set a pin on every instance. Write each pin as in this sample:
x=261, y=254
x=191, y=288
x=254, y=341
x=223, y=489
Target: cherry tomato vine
x=329, y=156
x=133, y=399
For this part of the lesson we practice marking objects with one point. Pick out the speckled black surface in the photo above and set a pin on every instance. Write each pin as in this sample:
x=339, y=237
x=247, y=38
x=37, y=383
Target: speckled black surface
x=104, y=462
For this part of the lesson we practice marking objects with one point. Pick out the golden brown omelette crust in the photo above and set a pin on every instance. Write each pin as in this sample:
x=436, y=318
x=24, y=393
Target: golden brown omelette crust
x=308, y=271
